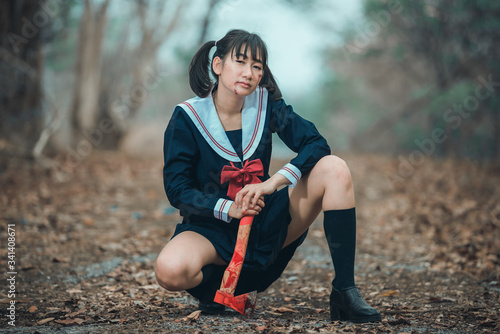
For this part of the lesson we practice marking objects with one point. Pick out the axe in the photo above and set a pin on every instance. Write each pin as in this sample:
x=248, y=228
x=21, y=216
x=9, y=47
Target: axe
x=245, y=304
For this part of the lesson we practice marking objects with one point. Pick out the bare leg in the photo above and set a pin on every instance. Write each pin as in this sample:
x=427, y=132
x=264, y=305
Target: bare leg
x=327, y=187
x=179, y=264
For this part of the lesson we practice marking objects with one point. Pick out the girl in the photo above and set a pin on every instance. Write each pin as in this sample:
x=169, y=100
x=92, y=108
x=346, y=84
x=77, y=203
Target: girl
x=230, y=123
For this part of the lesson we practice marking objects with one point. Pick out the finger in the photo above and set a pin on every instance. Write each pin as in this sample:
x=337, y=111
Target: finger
x=244, y=202
x=249, y=194
x=256, y=197
x=254, y=202
x=247, y=200
x=239, y=197
x=251, y=212
x=250, y=199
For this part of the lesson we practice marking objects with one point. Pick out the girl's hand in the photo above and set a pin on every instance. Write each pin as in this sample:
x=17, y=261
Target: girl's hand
x=249, y=197
x=238, y=212
x=249, y=201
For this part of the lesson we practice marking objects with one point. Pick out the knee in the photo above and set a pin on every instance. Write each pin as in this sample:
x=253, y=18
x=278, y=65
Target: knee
x=171, y=275
x=335, y=169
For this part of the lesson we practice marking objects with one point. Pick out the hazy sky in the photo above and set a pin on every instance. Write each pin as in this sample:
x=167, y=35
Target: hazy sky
x=294, y=39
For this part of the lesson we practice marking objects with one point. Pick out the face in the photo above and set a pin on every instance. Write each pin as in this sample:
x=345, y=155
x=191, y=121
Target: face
x=239, y=74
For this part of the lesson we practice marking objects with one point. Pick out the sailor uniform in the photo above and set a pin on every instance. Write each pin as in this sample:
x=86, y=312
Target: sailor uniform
x=197, y=148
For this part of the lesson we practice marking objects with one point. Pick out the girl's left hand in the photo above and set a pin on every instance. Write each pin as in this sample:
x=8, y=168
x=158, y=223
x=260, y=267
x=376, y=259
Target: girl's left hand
x=247, y=197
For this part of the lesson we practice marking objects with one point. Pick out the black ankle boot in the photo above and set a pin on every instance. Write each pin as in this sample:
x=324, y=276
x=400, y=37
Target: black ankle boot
x=348, y=304
x=211, y=307
x=205, y=291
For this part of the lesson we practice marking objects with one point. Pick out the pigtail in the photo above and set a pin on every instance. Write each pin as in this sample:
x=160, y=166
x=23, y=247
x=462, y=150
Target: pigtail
x=199, y=75
x=269, y=82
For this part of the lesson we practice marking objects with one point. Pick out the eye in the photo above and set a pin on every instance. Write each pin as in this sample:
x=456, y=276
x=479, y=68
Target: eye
x=258, y=67
x=240, y=61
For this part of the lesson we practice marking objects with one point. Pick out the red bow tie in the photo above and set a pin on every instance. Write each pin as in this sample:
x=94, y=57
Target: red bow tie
x=238, y=178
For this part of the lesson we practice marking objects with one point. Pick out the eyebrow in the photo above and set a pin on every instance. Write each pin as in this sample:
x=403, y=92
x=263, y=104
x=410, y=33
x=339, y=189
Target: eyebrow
x=240, y=54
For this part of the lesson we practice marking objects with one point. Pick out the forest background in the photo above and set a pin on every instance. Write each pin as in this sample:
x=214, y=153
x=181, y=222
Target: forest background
x=410, y=78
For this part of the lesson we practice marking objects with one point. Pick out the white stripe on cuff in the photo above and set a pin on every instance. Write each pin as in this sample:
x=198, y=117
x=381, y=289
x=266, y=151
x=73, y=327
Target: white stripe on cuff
x=292, y=173
x=221, y=209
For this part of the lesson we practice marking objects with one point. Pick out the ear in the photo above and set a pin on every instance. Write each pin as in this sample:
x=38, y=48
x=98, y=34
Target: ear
x=217, y=65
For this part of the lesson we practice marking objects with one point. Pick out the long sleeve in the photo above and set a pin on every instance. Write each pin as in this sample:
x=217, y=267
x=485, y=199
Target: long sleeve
x=181, y=156
x=301, y=136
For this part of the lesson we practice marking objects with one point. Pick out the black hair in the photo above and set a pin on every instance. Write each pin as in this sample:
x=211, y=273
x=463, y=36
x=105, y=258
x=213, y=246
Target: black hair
x=235, y=41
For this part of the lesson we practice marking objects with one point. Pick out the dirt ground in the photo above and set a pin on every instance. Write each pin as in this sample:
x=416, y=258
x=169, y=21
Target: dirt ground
x=87, y=235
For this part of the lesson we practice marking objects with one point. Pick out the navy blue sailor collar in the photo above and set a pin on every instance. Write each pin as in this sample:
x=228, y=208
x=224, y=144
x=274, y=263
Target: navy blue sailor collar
x=203, y=114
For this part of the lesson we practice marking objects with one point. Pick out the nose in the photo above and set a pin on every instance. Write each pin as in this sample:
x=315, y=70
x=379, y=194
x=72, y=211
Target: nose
x=247, y=72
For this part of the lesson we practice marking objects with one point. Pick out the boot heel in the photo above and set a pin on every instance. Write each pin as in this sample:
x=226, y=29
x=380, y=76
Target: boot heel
x=338, y=314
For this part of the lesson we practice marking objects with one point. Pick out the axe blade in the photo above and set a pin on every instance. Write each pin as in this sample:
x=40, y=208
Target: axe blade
x=250, y=303
x=244, y=304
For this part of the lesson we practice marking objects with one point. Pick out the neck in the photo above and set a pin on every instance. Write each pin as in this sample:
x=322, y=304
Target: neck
x=228, y=103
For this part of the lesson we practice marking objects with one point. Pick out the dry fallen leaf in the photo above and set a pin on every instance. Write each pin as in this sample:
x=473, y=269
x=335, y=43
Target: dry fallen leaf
x=69, y=321
x=274, y=313
x=32, y=309
x=284, y=309
x=74, y=291
x=44, y=321
x=7, y=301
x=193, y=316
x=389, y=293
x=88, y=221
x=74, y=314
x=488, y=323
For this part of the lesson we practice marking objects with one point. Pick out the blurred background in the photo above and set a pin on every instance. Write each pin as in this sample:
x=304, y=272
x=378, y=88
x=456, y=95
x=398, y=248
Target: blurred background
x=414, y=78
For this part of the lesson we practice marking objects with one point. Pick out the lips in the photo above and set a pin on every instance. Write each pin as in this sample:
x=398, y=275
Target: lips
x=244, y=84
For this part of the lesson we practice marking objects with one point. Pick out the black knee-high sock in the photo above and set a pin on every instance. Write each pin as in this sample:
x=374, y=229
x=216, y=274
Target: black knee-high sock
x=340, y=231
x=212, y=277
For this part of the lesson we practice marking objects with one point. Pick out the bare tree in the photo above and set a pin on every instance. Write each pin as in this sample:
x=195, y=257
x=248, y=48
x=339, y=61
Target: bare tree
x=111, y=83
x=120, y=102
x=207, y=19
x=21, y=68
x=85, y=103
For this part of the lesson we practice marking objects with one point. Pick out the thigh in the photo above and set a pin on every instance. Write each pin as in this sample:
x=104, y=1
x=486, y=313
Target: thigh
x=327, y=186
x=189, y=249
x=305, y=205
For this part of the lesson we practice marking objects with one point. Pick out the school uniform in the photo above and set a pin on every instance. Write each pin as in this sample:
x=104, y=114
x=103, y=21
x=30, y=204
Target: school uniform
x=197, y=148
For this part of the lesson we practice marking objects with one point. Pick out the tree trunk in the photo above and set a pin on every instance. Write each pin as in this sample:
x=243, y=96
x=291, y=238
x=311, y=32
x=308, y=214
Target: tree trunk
x=85, y=105
x=21, y=70
x=496, y=135
x=206, y=21
x=122, y=104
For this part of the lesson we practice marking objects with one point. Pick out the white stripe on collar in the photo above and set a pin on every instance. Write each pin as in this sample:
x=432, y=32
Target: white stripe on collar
x=203, y=114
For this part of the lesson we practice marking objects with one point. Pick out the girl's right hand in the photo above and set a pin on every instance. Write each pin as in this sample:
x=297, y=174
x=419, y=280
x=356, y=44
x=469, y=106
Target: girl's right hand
x=237, y=212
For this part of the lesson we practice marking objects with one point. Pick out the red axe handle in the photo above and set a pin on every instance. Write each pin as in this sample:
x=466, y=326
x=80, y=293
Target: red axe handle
x=233, y=270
